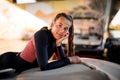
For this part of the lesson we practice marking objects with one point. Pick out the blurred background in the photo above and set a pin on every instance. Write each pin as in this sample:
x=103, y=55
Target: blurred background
x=96, y=25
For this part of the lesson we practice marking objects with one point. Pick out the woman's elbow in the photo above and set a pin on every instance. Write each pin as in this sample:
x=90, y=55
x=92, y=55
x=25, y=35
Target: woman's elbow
x=43, y=68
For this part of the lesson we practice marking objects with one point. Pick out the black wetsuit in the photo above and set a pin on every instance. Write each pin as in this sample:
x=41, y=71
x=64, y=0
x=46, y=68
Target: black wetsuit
x=45, y=45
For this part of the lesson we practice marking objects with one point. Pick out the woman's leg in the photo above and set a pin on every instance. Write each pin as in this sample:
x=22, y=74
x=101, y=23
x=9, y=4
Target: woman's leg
x=8, y=60
x=13, y=60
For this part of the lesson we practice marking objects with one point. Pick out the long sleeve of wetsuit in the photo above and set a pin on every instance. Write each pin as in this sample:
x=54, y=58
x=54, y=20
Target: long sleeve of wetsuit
x=60, y=52
x=41, y=44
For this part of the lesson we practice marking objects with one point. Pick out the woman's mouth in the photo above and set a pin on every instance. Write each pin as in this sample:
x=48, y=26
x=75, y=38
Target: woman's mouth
x=59, y=35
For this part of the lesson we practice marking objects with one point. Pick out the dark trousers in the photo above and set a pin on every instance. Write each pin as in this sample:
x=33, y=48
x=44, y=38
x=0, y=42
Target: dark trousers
x=13, y=60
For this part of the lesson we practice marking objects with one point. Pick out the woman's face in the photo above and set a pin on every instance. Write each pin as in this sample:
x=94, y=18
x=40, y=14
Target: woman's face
x=60, y=28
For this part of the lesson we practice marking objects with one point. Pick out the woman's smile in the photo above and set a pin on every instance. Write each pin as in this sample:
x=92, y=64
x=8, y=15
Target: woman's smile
x=59, y=35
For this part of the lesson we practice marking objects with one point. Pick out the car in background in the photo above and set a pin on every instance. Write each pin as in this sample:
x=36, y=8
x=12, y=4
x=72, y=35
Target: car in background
x=88, y=32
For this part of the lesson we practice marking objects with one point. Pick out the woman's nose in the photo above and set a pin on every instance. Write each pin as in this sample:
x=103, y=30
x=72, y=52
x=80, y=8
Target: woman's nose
x=62, y=30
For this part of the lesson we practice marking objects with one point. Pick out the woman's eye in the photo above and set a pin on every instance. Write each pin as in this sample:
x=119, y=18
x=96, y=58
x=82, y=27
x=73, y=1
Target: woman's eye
x=60, y=25
x=66, y=29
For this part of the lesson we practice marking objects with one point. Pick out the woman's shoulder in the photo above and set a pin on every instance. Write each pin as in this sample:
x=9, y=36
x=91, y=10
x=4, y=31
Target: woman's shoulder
x=43, y=31
x=45, y=28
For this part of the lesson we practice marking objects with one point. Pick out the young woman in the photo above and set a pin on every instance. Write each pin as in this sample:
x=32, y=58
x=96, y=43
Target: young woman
x=42, y=46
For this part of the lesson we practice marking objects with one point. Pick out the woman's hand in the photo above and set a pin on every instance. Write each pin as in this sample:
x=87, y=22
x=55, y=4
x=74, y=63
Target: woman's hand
x=75, y=59
x=65, y=36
